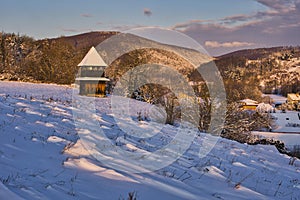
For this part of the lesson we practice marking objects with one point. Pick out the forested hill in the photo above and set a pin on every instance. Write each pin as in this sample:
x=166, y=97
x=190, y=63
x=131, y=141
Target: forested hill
x=48, y=60
x=245, y=72
x=55, y=60
x=272, y=70
x=260, y=53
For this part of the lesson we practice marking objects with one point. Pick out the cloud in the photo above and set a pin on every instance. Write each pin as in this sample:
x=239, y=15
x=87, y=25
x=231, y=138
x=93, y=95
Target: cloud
x=147, y=12
x=70, y=30
x=237, y=18
x=86, y=15
x=277, y=25
x=125, y=27
x=279, y=5
x=215, y=44
x=188, y=23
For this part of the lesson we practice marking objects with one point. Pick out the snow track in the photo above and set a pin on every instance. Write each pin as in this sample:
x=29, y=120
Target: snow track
x=41, y=157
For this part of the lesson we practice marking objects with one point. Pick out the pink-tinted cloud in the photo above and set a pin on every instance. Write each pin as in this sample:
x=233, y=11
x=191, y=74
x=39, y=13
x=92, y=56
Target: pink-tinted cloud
x=125, y=27
x=277, y=26
x=215, y=44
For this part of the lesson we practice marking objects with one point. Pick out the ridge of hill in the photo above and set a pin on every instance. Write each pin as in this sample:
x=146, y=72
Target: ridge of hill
x=259, y=53
x=85, y=40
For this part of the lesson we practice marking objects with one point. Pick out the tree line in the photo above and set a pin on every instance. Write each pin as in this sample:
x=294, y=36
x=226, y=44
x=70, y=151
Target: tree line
x=26, y=59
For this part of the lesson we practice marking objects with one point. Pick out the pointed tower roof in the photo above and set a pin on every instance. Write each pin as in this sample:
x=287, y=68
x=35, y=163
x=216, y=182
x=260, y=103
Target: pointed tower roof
x=92, y=58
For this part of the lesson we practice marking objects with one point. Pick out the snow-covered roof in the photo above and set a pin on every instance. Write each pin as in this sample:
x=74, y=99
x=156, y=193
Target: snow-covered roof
x=249, y=102
x=264, y=107
x=92, y=79
x=92, y=58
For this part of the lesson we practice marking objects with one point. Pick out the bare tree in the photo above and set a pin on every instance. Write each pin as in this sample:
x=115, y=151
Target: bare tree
x=239, y=123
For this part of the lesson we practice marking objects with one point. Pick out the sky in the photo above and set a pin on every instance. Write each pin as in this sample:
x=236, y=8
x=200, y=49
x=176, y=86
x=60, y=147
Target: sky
x=220, y=26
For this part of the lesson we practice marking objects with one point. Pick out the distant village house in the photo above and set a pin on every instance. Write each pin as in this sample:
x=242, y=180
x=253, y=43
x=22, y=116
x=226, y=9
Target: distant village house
x=248, y=104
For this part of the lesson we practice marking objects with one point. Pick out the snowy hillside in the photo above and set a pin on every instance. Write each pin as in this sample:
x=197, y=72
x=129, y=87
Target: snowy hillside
x=42, y=157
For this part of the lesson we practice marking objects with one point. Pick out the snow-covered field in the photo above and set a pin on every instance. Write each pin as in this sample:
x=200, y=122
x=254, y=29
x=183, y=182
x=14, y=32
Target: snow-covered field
x=287, y=125
x=286, y=129
x=288, y=122
x=42, y=157
x=277, y=99
x=289, y=139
